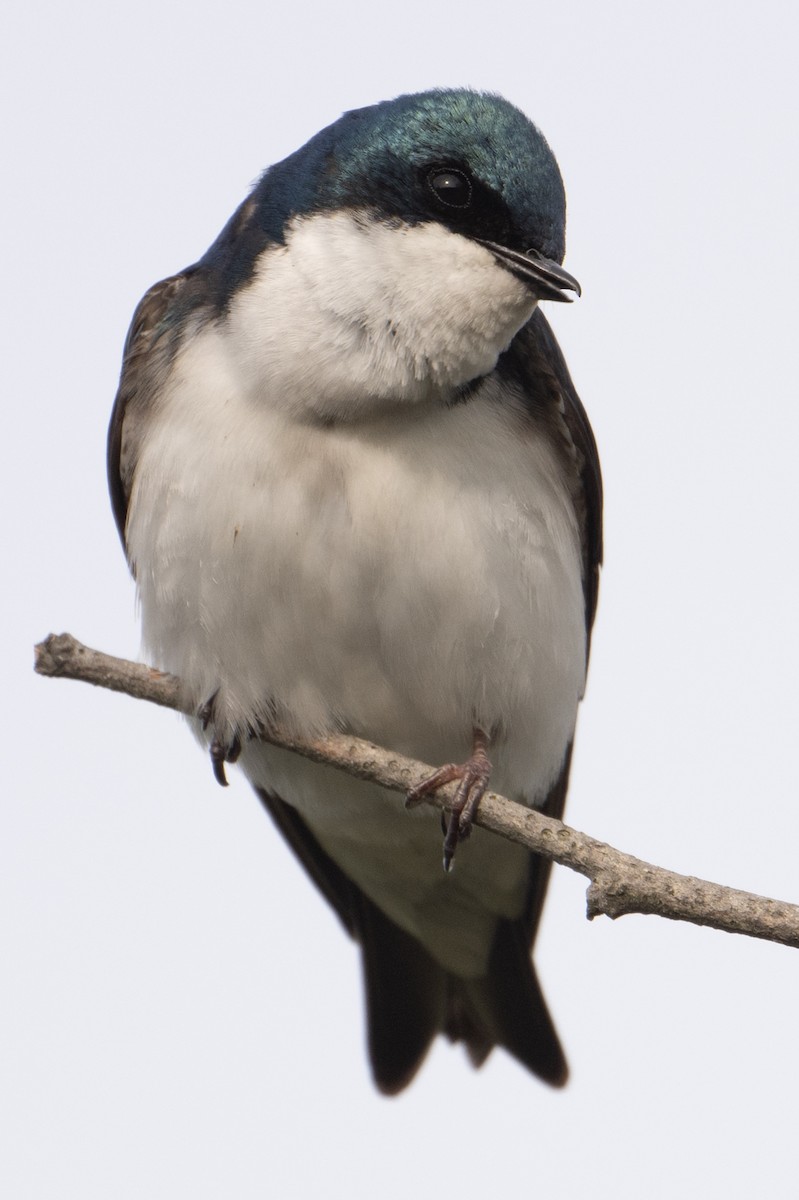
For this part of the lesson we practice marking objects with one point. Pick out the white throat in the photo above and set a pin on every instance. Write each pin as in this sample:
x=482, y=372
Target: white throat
x=352, y=313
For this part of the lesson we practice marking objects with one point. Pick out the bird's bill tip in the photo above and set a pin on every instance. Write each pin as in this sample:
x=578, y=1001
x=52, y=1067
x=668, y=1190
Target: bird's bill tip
x=547, y=278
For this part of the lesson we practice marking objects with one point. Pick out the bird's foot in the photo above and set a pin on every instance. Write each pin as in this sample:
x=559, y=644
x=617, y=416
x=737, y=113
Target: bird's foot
x=474, y=775
x=221, y=751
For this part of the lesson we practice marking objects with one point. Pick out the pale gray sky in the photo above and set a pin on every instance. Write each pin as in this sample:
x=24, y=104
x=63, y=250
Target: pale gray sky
x=181, y=1014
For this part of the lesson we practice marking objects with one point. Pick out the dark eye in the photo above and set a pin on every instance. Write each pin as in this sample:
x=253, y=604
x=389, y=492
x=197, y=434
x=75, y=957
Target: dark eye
x=451, y=187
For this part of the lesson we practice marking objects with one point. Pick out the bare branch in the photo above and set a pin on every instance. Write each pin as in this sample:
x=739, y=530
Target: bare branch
x=619, y=883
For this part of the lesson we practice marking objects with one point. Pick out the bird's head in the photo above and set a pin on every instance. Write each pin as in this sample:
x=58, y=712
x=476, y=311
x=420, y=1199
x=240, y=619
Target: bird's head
x=428, y=227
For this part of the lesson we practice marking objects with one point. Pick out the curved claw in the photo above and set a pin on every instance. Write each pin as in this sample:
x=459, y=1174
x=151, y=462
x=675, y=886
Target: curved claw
x=221, y=752
x=474, y=775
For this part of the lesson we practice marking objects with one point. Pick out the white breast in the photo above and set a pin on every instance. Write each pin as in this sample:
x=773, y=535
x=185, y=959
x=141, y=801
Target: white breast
x=404, y=576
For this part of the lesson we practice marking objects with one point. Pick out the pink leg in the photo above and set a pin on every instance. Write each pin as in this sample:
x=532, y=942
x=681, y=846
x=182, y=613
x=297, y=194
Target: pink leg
x=473, y=775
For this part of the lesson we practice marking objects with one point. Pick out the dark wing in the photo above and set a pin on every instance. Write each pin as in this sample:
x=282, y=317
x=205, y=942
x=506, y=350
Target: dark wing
x=150, y=348
x=537, y=364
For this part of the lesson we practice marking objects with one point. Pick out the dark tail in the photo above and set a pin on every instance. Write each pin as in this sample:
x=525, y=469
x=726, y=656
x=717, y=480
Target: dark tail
x=410, y=998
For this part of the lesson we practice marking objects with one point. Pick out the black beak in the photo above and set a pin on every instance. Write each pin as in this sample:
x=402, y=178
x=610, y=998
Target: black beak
x=542, y=275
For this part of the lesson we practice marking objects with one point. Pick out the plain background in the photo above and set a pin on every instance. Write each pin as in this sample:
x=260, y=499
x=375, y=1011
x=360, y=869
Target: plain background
x=181, y=1014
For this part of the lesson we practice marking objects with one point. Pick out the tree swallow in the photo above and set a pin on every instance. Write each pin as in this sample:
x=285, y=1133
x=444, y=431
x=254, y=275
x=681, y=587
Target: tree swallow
x=359, y=493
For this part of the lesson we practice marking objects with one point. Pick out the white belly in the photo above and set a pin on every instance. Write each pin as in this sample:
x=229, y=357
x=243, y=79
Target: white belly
x=404, y=578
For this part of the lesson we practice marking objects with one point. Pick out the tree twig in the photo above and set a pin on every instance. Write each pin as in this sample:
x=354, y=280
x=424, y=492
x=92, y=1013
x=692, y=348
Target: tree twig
x=620, y=883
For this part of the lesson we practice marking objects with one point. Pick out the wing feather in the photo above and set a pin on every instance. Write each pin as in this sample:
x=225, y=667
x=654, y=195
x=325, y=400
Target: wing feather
x=150, y=347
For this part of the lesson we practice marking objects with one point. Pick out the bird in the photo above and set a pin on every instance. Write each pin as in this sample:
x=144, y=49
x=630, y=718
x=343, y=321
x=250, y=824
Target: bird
x=358, y=493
